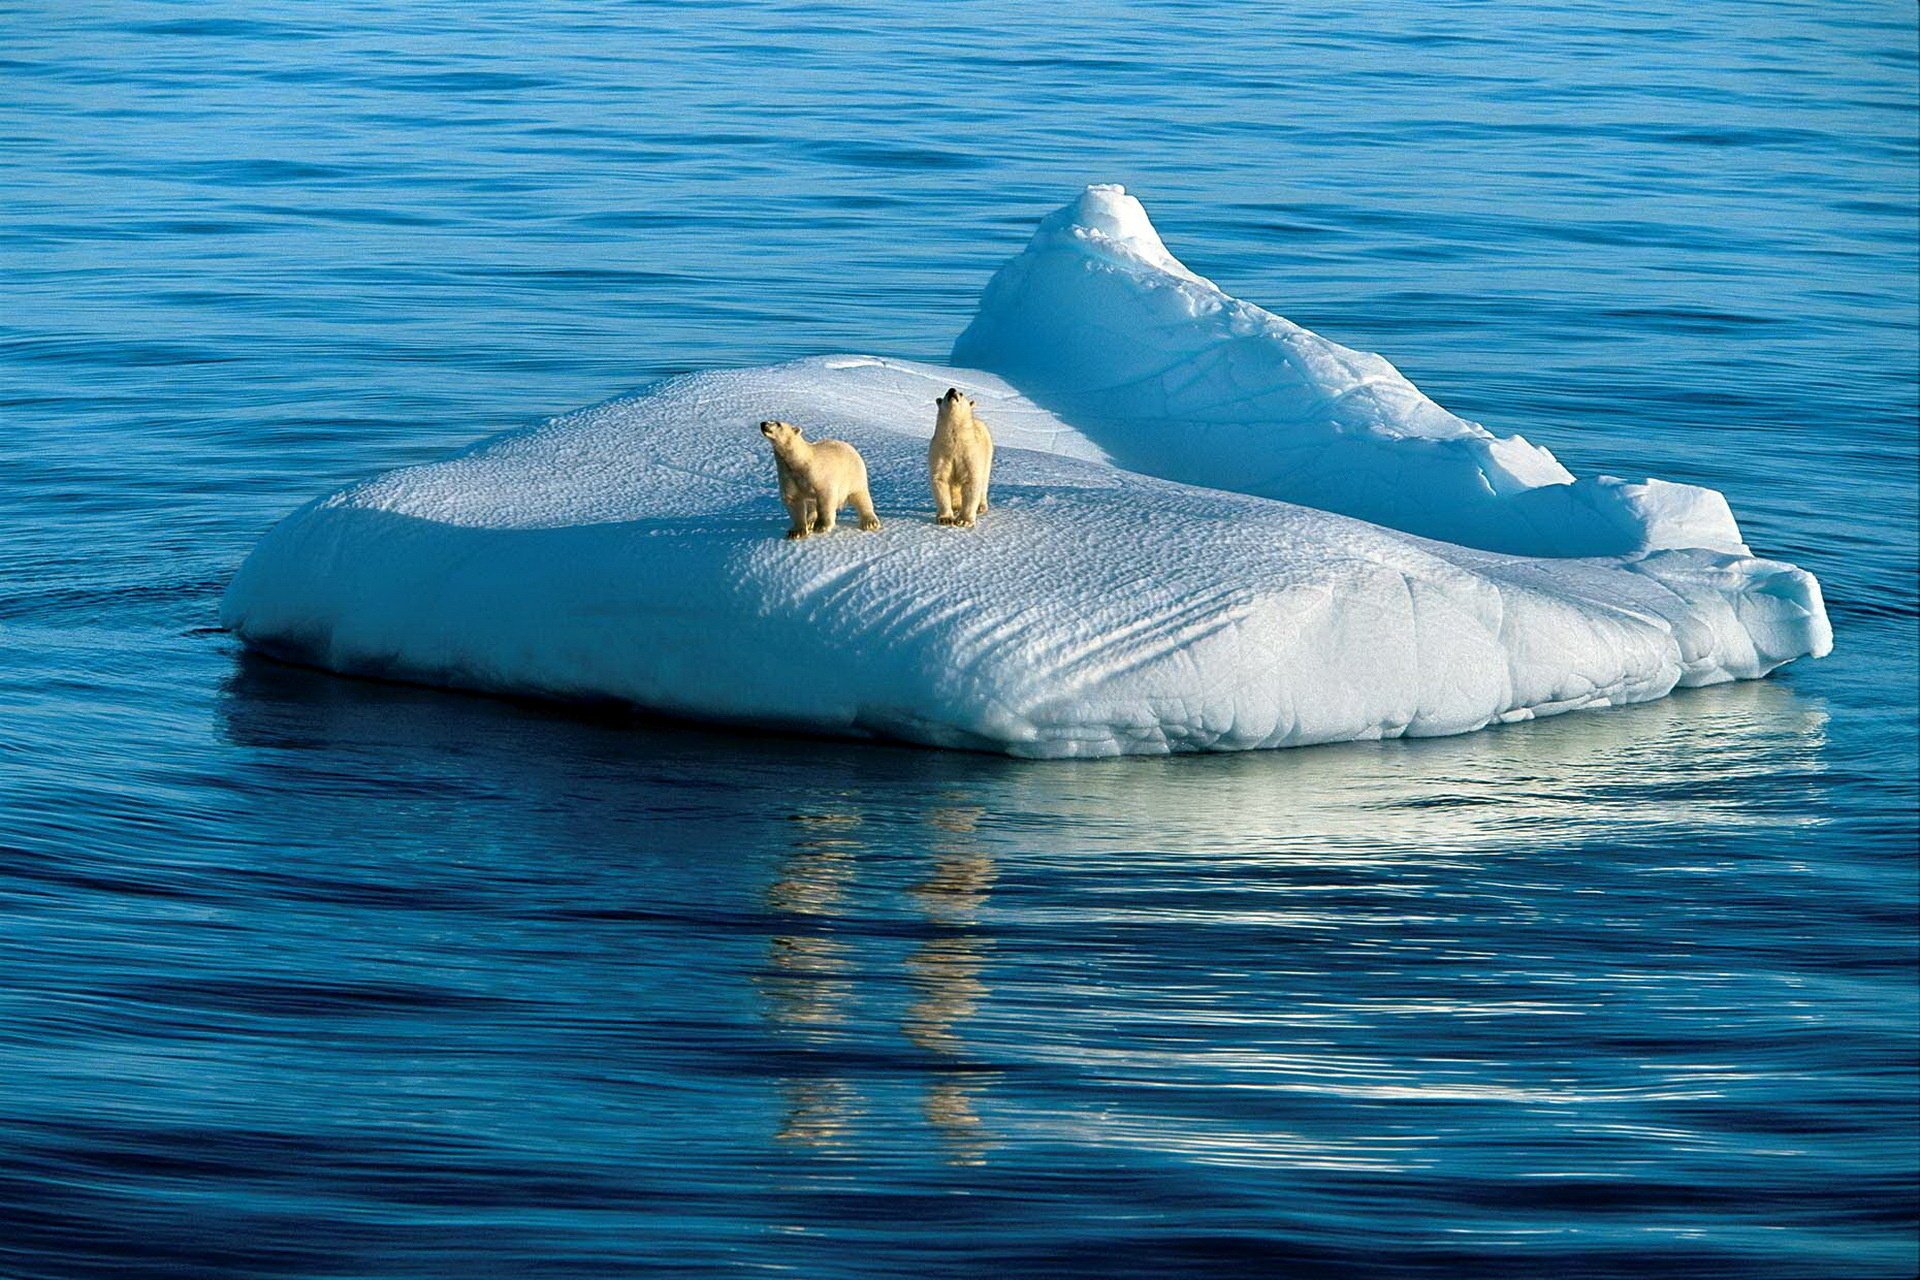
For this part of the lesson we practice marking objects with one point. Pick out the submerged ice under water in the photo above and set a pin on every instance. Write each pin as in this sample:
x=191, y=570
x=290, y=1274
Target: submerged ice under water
x=308, y=977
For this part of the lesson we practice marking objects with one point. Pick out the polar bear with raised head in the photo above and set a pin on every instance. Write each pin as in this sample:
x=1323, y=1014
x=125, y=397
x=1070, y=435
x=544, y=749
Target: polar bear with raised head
x=817, y=478
x=959, y=461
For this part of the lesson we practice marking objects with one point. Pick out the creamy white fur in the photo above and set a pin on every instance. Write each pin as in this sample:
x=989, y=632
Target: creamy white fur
x=817, y=478
x=959, y=461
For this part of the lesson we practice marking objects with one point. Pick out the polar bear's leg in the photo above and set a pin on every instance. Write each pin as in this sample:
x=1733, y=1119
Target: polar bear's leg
x=800, y=507
x=827, y=504
x=974, y=500
x=957, y=501
x=963, y=502
x=863, y=505
x=942, y=495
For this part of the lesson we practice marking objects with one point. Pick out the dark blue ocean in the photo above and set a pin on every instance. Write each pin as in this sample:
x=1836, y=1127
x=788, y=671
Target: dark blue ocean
x=304, y=977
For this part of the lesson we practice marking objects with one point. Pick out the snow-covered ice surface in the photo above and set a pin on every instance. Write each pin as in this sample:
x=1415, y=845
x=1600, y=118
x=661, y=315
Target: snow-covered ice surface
x=632, y=551
x=1172, y=377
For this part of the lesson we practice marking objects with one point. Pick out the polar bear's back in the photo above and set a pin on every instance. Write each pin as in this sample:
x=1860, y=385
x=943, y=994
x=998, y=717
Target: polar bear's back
x=840, y=460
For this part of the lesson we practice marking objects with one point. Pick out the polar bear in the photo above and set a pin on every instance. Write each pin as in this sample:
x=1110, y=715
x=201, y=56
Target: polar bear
x=817, y=478
x=959, y=461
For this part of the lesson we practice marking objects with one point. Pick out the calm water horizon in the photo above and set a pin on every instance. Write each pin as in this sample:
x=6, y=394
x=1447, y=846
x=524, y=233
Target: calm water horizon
x=309, y=977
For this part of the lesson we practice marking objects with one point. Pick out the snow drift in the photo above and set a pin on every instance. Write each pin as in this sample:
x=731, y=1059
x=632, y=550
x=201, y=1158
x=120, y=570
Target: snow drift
x=1170, y=376
x=632, y=551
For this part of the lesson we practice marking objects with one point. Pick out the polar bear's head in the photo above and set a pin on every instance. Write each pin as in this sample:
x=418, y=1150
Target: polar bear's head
x=783, y=434
x=955, y=408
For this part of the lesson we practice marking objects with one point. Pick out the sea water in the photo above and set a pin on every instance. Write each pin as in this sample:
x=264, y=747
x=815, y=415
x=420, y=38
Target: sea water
x=307, y=977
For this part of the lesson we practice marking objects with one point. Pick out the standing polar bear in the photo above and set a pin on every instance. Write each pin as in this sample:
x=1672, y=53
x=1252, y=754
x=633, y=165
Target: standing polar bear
x=817, y=478
x=959, y=461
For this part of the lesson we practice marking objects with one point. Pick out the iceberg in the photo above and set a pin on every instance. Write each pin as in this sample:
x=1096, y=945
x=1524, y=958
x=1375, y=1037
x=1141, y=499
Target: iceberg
x=1211, y=530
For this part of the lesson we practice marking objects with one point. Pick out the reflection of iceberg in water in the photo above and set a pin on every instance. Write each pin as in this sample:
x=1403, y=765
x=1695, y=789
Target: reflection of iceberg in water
x=682, y=818
x=1377, y=871
x=1733, y=756
x=1682, y=760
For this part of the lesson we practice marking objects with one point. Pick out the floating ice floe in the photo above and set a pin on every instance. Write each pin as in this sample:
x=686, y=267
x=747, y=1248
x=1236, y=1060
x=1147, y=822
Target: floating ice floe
x=632, y=551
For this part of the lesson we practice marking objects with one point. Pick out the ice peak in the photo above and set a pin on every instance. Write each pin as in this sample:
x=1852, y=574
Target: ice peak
x=1173, y=377
x=1106, y=220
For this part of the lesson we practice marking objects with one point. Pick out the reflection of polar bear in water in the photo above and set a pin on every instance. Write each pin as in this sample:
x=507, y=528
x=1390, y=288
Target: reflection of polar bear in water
x=817, y=478
x=959, y=461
